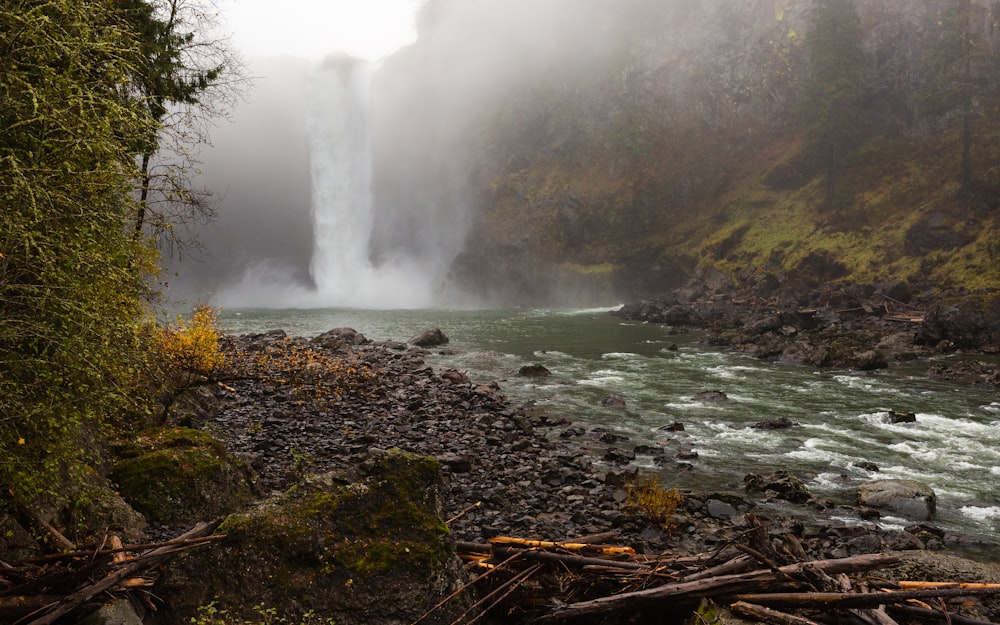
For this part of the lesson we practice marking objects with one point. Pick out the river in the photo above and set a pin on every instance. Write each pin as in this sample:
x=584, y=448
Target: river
x=954, y=445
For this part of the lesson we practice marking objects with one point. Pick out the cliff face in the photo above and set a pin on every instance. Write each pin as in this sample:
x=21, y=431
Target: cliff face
x=600, y=150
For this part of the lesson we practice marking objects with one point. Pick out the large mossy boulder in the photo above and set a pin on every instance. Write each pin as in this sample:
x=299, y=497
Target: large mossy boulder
x=179, y=475
x=366, y=549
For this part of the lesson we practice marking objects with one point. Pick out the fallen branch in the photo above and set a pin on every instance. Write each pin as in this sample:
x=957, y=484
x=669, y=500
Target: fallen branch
x=548, y=556
x=768, y=615
x=863, y=600
x=725, y=585
x=128, y=570
x=925, y=614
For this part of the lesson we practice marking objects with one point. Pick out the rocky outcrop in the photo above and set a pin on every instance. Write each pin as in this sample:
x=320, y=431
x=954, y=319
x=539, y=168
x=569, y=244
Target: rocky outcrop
x=364, y=549
x=181, y=475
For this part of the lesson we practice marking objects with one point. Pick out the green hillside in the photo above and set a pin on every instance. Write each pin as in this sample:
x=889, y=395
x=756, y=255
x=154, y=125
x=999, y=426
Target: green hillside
x=733, y=135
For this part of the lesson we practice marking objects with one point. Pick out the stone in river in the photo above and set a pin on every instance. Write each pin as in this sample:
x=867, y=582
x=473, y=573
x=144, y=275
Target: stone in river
x=907, y=498
x=429, y=338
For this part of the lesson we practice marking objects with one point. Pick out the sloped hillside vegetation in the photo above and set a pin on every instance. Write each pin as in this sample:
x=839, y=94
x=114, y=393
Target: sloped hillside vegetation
x=609, y=150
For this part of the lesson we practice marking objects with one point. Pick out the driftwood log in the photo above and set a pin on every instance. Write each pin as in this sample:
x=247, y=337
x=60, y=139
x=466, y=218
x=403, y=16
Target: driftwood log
x=550, y=582
x=53, y=587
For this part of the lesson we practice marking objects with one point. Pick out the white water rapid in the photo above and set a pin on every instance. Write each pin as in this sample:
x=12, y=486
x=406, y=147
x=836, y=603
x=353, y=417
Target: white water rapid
x=338, y=123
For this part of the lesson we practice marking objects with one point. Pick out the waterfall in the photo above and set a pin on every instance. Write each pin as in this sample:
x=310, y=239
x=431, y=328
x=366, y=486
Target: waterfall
x=338, y=120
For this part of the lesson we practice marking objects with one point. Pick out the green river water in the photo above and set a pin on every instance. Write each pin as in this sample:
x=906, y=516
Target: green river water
x=954, y=446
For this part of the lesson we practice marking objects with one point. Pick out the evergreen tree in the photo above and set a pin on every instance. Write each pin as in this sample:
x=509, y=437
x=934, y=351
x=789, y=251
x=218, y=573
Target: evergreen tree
x=181, y=78
x=958, y=75
x=834, y=91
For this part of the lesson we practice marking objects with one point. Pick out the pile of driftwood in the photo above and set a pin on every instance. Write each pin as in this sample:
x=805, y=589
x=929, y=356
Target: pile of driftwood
x=585, y=581
x=45, y=589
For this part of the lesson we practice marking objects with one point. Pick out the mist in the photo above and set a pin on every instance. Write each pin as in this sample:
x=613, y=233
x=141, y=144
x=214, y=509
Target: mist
x=520, y=152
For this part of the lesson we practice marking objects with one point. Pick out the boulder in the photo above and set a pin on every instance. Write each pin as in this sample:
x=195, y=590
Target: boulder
x=613, y=401
x=778, y=485
x=363, y=549
x=429, y=338
x=338, y=338
x=781, y=423
x=181, y=475
x=711, y=396
x=907, y=498
x=534, y=370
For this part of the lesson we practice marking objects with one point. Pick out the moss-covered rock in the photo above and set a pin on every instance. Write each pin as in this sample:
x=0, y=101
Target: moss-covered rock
x=366, y=552
x=181, y=475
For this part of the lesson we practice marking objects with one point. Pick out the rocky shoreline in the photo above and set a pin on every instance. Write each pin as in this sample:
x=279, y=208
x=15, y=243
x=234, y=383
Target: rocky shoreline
x=842, y=326
x=509, y=471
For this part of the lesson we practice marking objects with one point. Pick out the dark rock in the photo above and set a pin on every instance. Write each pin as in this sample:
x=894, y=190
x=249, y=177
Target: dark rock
x=453, y=376
x=613, y=401
x=455, y=463
x=901, y=417
x=429, y=338
x=534, y=371
x=676, y=426
x=781, y=423
x=687, y=454
x=611, y=437
x=720, y=509
x=711, y=396
x=866, y=465
x=339, y=337
x=779, y=485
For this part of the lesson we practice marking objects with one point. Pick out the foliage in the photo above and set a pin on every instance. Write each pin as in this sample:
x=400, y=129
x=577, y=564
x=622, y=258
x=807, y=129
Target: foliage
x=211, y=614
x=647, y=499
x=183, y=79
x=188, y=349
x=72, y=281
x=311, y=373
x=960, y=65
x=834, y=92
x=189, y=354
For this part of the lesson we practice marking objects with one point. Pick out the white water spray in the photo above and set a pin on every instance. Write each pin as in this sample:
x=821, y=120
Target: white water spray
x=338, y=122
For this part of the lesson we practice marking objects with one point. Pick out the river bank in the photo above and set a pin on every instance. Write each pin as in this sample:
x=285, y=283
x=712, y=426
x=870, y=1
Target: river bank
x=836, y=326
x=513, y=470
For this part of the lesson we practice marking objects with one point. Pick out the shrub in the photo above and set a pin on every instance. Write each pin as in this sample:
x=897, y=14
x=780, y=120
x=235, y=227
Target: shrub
x=648, y=500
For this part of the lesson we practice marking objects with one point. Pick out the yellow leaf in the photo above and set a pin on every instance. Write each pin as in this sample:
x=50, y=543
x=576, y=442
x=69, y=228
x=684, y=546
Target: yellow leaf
x=20, y=441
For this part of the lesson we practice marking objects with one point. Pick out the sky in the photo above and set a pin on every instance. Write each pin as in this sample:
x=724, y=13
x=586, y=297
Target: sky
x=311, y=29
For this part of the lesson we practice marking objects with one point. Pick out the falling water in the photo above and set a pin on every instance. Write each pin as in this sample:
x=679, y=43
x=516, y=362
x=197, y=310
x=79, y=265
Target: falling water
x=339, y=125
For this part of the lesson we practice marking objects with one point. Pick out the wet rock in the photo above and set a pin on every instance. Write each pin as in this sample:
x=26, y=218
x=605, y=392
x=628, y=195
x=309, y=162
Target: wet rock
x=429, y=338
x=613, y=401
x=338, y=338
x=867, y=466
x=534, y=371
x=901, y=417
x=782, y=423
x=720, y=509
x=453, y=376
x=611, y=437
x=778, y=485
x=711, y=396
x=907, y=498
x=676, y=426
